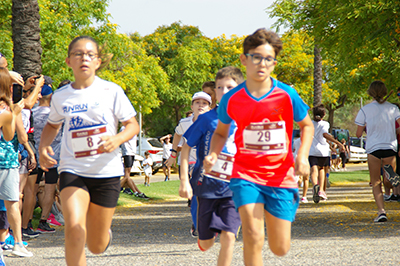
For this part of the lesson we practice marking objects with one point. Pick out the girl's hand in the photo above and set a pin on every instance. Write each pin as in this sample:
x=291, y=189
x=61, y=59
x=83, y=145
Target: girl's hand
x=45, y=160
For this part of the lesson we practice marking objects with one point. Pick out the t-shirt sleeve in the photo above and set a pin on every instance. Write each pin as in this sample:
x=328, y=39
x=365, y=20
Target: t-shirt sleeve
x=179, y=129
x=123, y=108
x=54, y=116
x=325, y=128
x=360, y=118
x=300, y=108
x=223, y=110
x=195, y=132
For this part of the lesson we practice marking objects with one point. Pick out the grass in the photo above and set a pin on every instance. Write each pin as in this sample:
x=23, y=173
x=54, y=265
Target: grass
x=349, y=177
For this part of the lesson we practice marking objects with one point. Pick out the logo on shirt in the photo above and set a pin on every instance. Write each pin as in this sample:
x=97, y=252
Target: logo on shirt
x=77, y=108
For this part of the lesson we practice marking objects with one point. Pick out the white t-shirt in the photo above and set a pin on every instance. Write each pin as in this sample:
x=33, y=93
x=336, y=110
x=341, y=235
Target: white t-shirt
x=180, y=129
x=319, y=146
x=167, y=150
x=380, y=120
x=89, y=114
x=26, y=115
x=147, y=163
x=129, y=147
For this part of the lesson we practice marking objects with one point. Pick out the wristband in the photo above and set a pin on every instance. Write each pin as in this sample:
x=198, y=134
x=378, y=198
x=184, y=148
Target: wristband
x=172, y=150
x=173, y=156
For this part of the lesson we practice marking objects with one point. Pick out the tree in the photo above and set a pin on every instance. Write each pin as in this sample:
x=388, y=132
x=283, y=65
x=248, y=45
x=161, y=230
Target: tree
x=26, y=37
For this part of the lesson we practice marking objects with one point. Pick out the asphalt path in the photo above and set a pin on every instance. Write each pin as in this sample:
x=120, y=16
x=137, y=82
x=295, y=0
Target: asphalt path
x=339, y=231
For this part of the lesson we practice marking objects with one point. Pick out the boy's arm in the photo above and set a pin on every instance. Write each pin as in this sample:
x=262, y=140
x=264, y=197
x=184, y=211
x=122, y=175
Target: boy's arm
x=302, y=166
x=218, y=141
x=185, y=189
x=48, y=134
x=171, y=160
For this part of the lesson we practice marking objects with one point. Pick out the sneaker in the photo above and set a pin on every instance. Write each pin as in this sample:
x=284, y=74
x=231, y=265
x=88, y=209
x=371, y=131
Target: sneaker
x=391, y=175
x=304, y=200
x=381, y=218
x=394, y=198
x=128, y=191
x=10, y=241
x=52, y=220
x=6, y=249
x=20, y=251
x=386, y=197
x=322, y=195
x=142, y=196
x=193, y=232
x=316, y=194
x=45, y=228
x=166, y=178
x=28, y=232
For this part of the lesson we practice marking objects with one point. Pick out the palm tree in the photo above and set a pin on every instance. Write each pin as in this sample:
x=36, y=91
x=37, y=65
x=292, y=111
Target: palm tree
x=26, y=37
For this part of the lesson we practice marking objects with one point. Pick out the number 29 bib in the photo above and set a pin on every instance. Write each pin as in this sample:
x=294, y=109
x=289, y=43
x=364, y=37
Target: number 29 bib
x=267, y=137
x=86, y=142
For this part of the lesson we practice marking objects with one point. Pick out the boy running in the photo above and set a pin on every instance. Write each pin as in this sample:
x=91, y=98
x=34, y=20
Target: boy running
x=263, y=182
x=216, y=211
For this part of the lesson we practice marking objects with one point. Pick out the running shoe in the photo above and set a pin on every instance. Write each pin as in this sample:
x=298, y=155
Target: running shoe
x=53, y=221
x=128, y=191
x=193, y=232
x=386, y=197
x=381, y=218
x=142, y=196
x=10, y=241
x=45, y=228
x=304, y=200
x=322, y=195
x=20, y=251
x=316, y=194
x=28, y=232
x=391, y=175
x=6, y=249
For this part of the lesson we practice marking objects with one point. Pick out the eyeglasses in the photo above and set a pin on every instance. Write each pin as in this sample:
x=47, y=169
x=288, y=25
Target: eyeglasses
x=256, y=59
x=80, y=55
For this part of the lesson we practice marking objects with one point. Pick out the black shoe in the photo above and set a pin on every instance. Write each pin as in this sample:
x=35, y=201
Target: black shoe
x=29, y=233
x=166, y=178
x=193, y=232
x=142, y=196
x=189, y=202
x=315, y=194
x=381, y=218
x=391, y=175
x=45, y=228
x=128, y=191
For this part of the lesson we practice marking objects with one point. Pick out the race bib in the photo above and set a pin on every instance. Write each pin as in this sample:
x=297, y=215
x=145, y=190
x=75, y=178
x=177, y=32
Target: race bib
x=222, y=169
x=86, y=142
x=267, y=137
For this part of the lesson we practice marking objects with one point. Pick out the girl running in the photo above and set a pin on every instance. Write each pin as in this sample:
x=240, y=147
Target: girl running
x=90, y=165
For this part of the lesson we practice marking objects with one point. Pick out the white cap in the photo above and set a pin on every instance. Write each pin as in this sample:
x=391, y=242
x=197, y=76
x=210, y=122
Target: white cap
x=201, y=95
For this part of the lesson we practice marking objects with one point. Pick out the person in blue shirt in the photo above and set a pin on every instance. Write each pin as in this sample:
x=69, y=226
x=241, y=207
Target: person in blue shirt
x=216, y=211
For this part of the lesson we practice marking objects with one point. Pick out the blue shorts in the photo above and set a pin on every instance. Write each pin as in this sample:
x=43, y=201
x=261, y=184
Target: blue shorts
x=216, y=215
x=280, y=202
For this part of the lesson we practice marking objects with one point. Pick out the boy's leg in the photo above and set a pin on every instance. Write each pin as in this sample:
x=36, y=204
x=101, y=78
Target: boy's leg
x=278, y=234
x=227, y=240
x=252, y=216
x=75, y=204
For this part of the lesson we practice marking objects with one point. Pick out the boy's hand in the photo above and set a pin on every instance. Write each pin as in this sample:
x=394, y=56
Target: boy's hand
x=301, y=166
x=209, y=162
x=109, y=143
x=185, y=189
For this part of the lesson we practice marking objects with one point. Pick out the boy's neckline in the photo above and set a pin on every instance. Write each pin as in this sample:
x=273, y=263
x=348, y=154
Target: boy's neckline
x=264, y=95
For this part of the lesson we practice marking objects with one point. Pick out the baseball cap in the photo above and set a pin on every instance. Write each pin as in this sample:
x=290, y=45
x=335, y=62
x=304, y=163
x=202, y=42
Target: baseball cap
x=47, y=80
x=201, y=95
x=46, y=90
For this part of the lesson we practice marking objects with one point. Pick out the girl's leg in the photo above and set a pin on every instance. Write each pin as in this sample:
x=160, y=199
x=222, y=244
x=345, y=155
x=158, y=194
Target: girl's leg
x=75, y=203
x=98, y=223
x=305, y=185
x=314, y=175
x=252, y=216
x=227, y=240
x=374, y=167
x=278, y=234
x=321, y=178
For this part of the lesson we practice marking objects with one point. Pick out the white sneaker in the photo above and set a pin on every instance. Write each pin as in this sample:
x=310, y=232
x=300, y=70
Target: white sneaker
x=304, y=200
x=20, y=251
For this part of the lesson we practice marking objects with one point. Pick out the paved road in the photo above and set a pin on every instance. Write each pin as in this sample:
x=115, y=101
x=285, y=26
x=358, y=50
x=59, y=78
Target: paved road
x=339, y=231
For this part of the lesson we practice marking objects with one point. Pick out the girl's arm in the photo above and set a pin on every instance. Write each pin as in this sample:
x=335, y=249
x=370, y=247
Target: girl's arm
x=185, y=189
x=21, y=133
x=49, y=133
x=302, y=166
x=331, y=138
x=113, y=142
x=9, y=120
x=218, y=141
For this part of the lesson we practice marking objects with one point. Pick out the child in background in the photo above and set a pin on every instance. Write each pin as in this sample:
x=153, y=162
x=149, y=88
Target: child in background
x=209, y=88
x=263, y=182
x=147, y=168
x=216, y=211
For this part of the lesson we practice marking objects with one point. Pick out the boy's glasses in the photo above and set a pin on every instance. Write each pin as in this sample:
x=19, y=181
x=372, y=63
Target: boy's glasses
x=256, y=59
x=80, y=55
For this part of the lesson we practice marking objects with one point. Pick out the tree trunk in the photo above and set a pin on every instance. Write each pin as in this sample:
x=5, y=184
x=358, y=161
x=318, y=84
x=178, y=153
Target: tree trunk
x=317, y=75
x=26, y=37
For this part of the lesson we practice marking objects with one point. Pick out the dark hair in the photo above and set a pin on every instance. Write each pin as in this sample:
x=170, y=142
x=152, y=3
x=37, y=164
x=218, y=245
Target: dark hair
x=261, y=37
x=377, y=90
x=5, y=86
x=146, y=153
x=208, y=84
x=189, y=113
x=230, y=72
x=318, y=112
x=63, y=83
x=105, y=58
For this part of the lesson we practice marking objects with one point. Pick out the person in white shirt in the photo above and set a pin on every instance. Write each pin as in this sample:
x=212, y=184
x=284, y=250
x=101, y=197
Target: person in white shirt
x=167, y=146
x=90, y=162
x=147, y=168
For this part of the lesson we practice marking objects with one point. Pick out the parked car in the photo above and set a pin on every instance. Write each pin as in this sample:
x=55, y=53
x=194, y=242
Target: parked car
x=357, y=155
x=354, y=141
x=155, y=148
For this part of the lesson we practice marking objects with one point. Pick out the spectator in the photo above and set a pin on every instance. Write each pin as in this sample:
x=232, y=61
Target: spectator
x=167, y=146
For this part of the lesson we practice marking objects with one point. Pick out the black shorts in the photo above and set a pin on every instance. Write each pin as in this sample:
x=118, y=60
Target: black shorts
x=50, y=177
x=319, y=161
x=380, y=154
x=3, y=220
x=163, y=162
x=128, y=160
x=102, y=191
